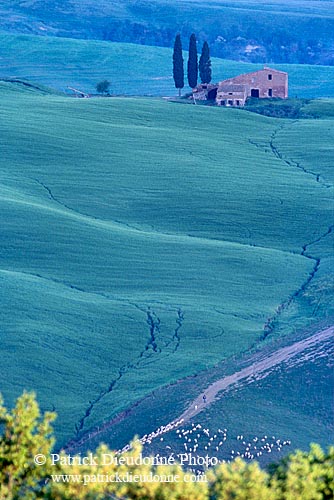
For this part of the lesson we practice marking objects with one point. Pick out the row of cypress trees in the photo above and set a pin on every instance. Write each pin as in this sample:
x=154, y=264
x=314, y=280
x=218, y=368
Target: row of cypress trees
x=193, y=67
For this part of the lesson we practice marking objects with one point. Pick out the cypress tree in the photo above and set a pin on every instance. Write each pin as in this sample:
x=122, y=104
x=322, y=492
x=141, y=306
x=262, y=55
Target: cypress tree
x=192, y=62
x=178, y=71
x=205, y=64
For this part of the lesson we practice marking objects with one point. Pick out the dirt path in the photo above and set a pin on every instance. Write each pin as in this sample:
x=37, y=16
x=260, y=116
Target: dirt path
x=254, y=370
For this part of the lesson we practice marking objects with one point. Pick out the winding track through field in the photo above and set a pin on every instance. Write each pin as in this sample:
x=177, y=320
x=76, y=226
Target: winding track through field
x=261, y=367
x=282, y=355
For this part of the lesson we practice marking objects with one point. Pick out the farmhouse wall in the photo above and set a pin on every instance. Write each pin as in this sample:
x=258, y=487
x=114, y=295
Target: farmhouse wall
x=263, y=83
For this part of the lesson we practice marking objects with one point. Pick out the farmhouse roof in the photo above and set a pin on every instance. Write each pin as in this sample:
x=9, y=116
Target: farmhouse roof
x=271, y=70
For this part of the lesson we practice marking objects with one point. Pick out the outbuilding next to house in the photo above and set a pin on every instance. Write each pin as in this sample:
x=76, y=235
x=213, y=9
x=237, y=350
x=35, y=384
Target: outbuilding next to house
x=231, y=94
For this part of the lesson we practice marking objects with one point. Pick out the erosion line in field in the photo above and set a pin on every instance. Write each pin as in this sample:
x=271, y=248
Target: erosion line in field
x=270, y=323
x=290, y=162
x=263, y=147
x=81, y=214
x=51, y=195
x=327, y=233
x=149, y=350
x=79, y=426
x=151, y=345
x=76, y=288
x=122, y=371
x=106, y=223
x=154, y=325
x=176, y=335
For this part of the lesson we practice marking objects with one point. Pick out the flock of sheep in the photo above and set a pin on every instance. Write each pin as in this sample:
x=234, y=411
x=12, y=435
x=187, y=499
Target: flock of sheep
x=198, y=439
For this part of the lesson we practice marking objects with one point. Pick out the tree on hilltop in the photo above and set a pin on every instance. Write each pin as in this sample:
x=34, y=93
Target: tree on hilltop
x=103, y=87
x=205, y=64
x=178, y=70
x=192, y=62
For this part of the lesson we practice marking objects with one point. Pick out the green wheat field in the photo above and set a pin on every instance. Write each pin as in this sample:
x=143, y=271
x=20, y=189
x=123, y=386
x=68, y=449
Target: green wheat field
x=143, y=241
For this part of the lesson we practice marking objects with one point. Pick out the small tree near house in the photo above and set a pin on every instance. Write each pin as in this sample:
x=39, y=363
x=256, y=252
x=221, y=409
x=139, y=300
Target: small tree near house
x=178, y=70
x=103, y=87
x=205, y=64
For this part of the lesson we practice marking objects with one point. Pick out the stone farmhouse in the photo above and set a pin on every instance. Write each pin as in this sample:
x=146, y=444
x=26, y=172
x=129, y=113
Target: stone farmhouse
x=262, y=84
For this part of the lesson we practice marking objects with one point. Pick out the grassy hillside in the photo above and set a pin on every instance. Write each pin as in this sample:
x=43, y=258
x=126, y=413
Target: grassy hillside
x=139, y=246
x=235, y=29
x=132, y=69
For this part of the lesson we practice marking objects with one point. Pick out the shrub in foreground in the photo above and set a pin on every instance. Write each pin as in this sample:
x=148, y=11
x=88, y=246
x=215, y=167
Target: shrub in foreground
x=26, y=434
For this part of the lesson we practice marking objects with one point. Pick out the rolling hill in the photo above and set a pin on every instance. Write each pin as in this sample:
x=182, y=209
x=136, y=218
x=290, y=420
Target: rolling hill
x=132, y=69
x=296, y=31
x=144, y=241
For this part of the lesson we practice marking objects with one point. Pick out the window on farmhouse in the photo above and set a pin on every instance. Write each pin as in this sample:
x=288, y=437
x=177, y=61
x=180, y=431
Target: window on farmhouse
x=270, y=92
x=270, y=77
